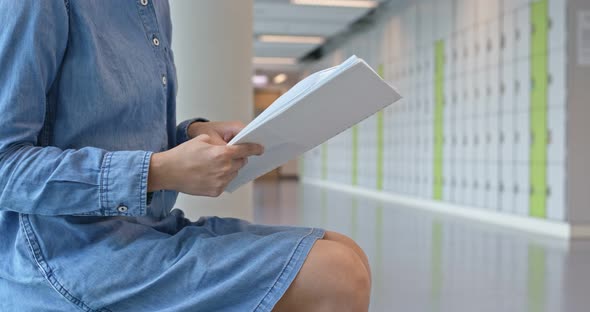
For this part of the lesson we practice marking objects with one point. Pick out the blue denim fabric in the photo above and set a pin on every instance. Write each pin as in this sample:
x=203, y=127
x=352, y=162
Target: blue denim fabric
x=87, y=94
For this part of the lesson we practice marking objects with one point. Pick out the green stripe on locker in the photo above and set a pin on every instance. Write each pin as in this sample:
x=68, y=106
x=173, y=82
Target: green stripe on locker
x=439, y=51
x=381, y=72
x=538, y=109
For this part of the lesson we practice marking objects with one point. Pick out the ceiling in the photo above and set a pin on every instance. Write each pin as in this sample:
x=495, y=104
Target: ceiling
x=280, y=17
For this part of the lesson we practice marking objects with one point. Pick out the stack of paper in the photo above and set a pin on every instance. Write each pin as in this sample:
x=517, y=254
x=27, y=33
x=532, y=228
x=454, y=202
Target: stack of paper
x=313, y=111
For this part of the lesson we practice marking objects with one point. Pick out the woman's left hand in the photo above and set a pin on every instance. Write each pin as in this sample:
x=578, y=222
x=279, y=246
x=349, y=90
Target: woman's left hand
x=221, y=132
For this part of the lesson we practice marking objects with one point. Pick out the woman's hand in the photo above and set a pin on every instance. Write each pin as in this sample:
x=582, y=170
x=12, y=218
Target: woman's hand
x=201, y=166
x=221, y=132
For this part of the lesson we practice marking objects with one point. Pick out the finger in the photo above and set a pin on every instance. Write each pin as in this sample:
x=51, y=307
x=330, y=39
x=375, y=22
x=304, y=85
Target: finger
x=246, y=150
x=231, y=130
x=216, y=139
x=238, y=164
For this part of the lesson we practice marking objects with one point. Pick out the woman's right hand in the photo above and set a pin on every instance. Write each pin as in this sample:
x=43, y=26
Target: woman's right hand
x=199, y=166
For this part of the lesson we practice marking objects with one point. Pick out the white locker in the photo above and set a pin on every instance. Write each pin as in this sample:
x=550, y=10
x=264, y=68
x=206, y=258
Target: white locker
x=480, y=187
x=522, y=33
x=521, y=189
x=558, y=24
x=493, y=43
x=522, y=86
x=509, y=6
x=506, y=187
x=507, y=39
x=493, y=90
x=556, y=192
x=556, y=124
x=507, y=83
x=522, y=138
x=479, y=46
x=556, y=88
x=469, y=50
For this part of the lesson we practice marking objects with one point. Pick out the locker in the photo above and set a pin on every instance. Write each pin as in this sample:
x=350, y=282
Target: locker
x=460, y=62
x=522, y=138
x=493, y=139
x=556, y=148
x=480, y=144
x=521, y=189
x=492, y=91
x=447, y=169
x=479, y=46
x=556, y=192
x=557, y=24
x=556, y=88
x=522, y=35
x=522, y=86
x=478, y=92
x=506, y=187
x=469, y=49
x=509, y=6
x=506, y=89
x=480, y=182
x=507, y=39
x=492, y=185
x=471, y=197
x=507, y=136
x=493, y=43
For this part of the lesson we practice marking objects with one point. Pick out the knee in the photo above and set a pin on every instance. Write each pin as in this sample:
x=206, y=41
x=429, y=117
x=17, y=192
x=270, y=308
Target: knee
x=346, y=280
x=355, y=279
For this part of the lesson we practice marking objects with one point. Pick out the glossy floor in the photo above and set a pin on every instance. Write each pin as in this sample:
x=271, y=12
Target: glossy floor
x=427, y=262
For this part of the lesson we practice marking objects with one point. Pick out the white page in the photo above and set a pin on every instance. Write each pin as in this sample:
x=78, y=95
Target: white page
x=342, y=97
x=290, y=97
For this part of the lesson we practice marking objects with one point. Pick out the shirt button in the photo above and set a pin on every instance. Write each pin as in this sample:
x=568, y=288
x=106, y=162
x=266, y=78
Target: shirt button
x=164, y=80
x=122, y=208
x=144, y=2
x=156, y=41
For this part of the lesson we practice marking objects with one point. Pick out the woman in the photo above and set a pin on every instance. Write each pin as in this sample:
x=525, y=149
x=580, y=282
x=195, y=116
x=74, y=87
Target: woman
x=91, y=161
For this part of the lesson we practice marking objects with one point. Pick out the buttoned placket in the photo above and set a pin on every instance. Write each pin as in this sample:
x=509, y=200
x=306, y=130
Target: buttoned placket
x=151, y=27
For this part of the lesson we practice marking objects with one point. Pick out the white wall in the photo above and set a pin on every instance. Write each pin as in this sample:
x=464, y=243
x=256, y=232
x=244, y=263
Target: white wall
x=212, y=43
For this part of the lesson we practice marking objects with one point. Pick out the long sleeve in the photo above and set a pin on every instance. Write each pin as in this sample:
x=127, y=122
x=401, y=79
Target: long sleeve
x=48, y=180
x=182, y=129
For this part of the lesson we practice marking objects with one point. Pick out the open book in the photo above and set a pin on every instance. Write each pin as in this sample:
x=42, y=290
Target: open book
x=313, y=111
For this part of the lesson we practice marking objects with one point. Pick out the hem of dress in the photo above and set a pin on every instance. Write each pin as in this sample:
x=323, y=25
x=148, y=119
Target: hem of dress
x=290, y=271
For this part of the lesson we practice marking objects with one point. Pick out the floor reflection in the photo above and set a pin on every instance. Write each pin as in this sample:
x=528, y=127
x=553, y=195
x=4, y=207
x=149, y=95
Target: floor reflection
x=427, y=262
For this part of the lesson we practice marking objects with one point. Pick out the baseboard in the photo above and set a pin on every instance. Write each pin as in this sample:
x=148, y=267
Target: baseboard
x=547, y=227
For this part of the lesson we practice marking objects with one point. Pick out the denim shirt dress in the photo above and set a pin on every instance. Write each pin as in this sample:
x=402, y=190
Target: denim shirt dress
x=87, y=94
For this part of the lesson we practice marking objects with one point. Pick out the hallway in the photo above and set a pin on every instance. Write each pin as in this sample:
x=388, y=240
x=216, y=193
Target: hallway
x=427, y=262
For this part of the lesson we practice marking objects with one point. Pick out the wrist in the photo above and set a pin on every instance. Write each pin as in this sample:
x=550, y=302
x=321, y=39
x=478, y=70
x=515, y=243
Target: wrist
x=193, y=129
x=157, y=180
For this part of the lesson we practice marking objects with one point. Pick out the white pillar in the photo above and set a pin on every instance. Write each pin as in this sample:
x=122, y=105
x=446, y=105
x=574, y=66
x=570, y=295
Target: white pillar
x=212, y=44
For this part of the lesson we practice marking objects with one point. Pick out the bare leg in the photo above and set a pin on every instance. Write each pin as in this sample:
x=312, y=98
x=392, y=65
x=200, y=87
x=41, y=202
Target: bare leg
x=337, y=237
x=333, y=278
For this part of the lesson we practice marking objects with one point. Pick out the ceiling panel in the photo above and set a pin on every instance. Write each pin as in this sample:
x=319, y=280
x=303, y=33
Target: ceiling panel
x=280, y=17
x=281, y=49
x=277, y=26
x=285, y=11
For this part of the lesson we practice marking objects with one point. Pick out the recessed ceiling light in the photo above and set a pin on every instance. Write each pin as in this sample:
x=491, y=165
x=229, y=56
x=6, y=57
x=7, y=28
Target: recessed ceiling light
x=280, y=78
x=274, y=61
x=292, y=39
x=260, y=80
x=339, y=3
